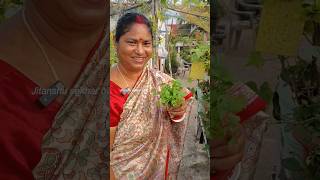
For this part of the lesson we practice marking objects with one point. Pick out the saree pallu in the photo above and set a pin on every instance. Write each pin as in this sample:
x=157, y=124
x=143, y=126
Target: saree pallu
x=76, y=146
x=147, y=145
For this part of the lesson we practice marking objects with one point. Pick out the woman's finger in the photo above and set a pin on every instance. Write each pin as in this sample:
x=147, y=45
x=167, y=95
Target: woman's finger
x=176, y=114
x=222, y=147
x=180, y=108
x=178, y=111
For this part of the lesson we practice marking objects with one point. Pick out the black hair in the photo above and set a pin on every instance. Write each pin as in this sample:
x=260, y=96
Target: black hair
x=126, y=21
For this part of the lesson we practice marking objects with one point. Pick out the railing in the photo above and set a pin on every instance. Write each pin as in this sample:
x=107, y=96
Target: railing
x=201, y=135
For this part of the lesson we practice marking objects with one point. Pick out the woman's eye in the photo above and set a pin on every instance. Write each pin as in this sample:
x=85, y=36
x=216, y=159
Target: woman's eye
x=131, y=43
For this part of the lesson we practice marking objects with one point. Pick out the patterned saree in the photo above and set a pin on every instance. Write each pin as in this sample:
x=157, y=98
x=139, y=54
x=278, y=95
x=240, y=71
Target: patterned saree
x=147, y=145
x=76, y=146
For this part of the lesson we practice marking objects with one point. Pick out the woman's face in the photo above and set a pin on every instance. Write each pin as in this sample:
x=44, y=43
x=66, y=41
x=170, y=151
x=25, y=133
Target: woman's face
x=135, y=47
x=74, y=12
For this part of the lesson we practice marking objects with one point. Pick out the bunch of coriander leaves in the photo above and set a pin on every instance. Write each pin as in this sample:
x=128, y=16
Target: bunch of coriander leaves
x=223, y=105
x=171, y=95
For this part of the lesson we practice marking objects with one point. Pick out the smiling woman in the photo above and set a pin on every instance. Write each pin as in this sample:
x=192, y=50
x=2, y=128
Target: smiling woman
x=134, y=48
x=146, y=140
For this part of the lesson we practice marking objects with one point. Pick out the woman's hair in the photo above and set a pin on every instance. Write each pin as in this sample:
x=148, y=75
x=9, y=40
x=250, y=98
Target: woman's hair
x=126, y=21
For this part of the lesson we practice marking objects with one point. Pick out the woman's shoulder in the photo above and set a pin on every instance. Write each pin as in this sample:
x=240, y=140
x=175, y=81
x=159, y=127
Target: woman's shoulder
x=163, y=77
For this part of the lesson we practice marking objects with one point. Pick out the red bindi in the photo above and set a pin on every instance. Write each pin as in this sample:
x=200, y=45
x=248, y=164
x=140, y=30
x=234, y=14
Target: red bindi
x=139, y=19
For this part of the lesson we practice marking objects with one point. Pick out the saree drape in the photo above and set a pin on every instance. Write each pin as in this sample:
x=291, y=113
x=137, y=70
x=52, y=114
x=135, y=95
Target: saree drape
x=147, y=145
x=76, y=146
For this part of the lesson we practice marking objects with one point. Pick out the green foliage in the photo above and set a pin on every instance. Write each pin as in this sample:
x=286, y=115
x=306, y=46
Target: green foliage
x=313, y=161
x=310, y=167
x=196, y=3
x=292, y=164
x=304, y=81
x=264, y=91
x=198, y=50
x=5, y=5
x=309, y=118
x=113, y=54
x=220, y=72
x=171, y=95
x=201, y=53
x=255, y=59
x=223, y=106
x=311, y=10
x=173, y=60
x=163, y=2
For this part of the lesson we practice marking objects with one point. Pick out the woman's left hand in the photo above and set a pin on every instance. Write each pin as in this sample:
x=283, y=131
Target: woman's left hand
x=178, y=112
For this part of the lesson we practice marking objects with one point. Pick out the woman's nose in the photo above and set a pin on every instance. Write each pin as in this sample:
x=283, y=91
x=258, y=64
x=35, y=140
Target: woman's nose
x=139, y=49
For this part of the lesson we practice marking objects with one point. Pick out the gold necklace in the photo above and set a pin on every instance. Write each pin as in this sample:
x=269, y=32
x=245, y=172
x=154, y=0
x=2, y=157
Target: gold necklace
x=58, y=87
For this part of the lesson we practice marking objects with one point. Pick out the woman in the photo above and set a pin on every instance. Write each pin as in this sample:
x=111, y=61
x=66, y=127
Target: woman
x=47, y=42
x=145, y=142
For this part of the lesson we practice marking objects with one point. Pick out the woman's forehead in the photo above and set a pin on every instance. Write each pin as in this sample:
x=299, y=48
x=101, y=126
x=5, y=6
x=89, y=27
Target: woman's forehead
x=138, y=35
x=135, y=38
x=137, y=29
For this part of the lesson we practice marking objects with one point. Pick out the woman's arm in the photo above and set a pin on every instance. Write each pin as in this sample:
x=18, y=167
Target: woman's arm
x=112, y=134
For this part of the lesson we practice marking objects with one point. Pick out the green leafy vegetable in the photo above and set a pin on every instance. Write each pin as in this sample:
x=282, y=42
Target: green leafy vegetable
x=172, y=95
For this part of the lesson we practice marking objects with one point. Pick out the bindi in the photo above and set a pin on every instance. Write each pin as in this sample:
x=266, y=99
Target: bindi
x=139, y=19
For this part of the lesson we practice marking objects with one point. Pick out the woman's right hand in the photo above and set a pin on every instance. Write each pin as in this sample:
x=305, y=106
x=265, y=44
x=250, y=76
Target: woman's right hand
x=225, y=155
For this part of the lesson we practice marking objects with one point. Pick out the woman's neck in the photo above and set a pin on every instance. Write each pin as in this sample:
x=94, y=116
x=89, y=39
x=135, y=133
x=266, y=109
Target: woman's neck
x=132, y=76
x=72, y=43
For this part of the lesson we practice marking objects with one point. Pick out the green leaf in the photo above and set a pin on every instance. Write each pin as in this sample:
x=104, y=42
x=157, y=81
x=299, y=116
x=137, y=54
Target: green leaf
x=266, y=92
x=232, y=141
x=252, y=85
x=255, y=60
x=233, y=104
x=163, y=3
x=291, y=164
x=219, y=71
x=172, y=95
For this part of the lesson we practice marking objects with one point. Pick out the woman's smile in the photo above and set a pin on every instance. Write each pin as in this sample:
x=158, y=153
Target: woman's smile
x=139, y=59
x=134, y=48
